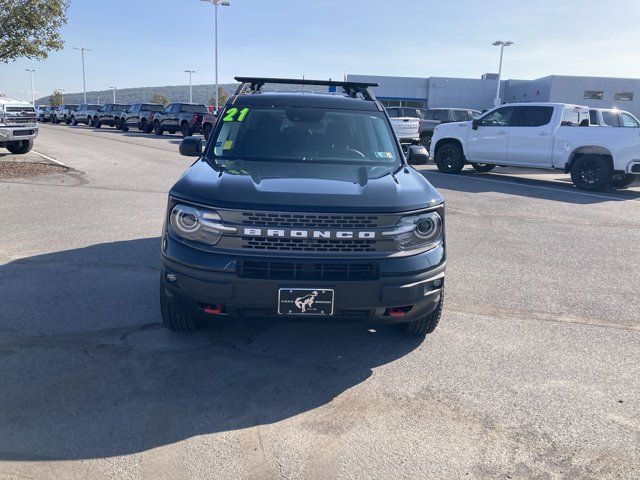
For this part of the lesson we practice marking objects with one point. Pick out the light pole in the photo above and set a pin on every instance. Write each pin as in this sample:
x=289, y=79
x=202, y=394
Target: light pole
x=216, y=3
x=84, y=82
x=190, y=72
x=502, y=44
x=114, y=93
x=33, y=98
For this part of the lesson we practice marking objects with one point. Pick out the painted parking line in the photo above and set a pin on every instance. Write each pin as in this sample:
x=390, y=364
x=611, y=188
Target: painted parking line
x=540, y=187
x=46, y=157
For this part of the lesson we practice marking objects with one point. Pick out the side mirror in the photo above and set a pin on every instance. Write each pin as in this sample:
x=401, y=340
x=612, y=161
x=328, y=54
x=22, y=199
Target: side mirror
x=191, y=146
x=417, y=155
x=475, y=123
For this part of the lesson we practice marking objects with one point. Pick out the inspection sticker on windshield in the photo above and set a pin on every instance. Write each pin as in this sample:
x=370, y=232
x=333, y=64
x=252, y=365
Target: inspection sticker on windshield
x=227, y=145
x=384, y=155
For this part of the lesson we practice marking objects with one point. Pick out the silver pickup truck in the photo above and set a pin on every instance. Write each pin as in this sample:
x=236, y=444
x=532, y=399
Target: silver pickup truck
x=18, y=125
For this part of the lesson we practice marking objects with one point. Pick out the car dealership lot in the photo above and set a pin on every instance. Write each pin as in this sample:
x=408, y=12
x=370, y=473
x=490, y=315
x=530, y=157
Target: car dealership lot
x=533, y=372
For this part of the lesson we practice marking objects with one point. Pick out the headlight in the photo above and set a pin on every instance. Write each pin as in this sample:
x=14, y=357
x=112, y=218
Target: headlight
x=418, y=232
x=197, y=224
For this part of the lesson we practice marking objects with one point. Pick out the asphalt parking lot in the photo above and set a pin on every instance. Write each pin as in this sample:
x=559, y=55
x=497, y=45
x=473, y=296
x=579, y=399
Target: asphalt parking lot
x=533, y=372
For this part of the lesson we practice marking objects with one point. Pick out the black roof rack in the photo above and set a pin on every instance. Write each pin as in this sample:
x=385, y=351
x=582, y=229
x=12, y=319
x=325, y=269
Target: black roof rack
x=350, y=88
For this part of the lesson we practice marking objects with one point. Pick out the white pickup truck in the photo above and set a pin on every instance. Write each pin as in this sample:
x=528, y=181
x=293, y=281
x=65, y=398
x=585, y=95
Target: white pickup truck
x=407, y=129
x=18, y=126
x=541, y=135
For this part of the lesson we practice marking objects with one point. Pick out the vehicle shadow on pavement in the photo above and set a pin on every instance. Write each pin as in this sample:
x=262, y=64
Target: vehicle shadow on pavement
x=564, y=192
x=88, y=371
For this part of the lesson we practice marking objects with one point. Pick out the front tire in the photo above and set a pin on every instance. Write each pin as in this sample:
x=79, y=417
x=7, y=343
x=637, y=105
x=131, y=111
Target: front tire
x=157, y=129
x=74, y=122
x=174, y=317
x=143, y=125
x=427, y=324
x=590, y=172
x=482, y=167
x=97, y=124
x=622, y=180
x=449, y=158
x=185, y=130
x=21, y=147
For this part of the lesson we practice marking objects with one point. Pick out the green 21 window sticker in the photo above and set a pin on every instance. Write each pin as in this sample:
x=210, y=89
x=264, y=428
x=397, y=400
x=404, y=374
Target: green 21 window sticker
x=230, y=116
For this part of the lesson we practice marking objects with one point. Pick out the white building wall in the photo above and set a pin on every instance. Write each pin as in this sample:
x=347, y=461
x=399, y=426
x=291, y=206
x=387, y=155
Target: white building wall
x=569, y=89
x=461, y=92
x=409, y=88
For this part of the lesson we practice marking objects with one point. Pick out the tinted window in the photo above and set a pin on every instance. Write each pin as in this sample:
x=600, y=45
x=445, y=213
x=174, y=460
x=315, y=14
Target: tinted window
x=572, y=117
x=411, y=112
x=624, y=96
x=498, y=118
x=120, y=107
x=194, y=109
x=593, y=117
x=441, y=115
x=93, y=107
x=461, y=116
x=533, y=116
x=149, y=107
x=393, y=112
x=611, y=118
x=593, y=94
x=307, y=135
x=628, y=120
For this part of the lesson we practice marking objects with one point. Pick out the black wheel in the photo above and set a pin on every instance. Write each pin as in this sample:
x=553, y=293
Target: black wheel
x=186, y=131
x=206, y=130
x=149, y=128
x=425, y=139
x=74, y=121
x=591, y=172
x=449, y=158
x=157, y=129
x=174, y=317
x=64, y=119
x=123, y=125
x=427, y=324
x=21, y=147
x=482, y=167
x=143, y=125
x=97, y=123
x=621, y=180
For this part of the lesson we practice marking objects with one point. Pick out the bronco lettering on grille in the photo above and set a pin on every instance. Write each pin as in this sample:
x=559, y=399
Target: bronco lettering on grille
x=304, y=233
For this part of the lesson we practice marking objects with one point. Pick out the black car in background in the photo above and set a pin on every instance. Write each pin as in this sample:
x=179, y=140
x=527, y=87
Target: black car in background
x=140, y=116
x=110, y=114
x=180, y=117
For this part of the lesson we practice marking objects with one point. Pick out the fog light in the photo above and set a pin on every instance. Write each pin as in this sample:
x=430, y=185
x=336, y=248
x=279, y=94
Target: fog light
x=437, y=283
x=171, y=277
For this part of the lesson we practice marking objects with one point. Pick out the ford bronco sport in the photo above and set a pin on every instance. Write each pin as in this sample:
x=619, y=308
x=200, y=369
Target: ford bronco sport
x=303, y=205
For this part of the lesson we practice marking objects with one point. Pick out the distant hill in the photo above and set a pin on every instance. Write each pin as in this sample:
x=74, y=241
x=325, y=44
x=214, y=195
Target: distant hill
x=175, y=93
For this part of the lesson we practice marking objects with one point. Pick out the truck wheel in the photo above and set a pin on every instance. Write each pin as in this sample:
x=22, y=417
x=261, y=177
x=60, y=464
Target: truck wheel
x=622, y=180
x=149, y=128
x=143, y=125
x=426, y=324
x=482, y=167
x=449, y=158
x=174, y=317
x=123, y=125
x=157, y=128
x=590, y=172
x=21, y=147
x=97, y=123
x=74, y=121
x=184, y=128
x=206, y=130
x=425, y=139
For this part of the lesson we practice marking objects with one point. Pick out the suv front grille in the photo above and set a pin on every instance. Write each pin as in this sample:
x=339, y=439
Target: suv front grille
x=308, y=245
x=303, y=220
x=20, y=120
x=308, y=271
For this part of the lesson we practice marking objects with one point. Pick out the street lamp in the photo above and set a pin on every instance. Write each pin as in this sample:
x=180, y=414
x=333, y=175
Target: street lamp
x=114, y=93
x=502, y=44
x=33, y=98
x=190, y=72
x=84, y=82
x=216, y=3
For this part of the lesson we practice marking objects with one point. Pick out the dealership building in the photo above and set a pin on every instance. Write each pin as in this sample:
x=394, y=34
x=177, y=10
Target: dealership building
x=479, y=93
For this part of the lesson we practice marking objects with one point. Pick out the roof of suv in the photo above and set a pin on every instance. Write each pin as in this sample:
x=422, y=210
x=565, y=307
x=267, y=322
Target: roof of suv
x=304, y=99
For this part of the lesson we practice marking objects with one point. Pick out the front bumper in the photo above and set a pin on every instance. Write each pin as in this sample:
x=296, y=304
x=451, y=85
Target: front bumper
x=416, y=282
x=17, y=133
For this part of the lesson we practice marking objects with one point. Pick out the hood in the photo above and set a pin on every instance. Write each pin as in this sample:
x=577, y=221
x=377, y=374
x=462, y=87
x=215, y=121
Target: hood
x=306, y=187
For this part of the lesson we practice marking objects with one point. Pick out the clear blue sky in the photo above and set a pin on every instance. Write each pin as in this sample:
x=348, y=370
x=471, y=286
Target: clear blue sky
x=151, y=42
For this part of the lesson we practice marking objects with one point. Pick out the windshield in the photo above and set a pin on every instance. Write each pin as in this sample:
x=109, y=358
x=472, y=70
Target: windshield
x=305, y=135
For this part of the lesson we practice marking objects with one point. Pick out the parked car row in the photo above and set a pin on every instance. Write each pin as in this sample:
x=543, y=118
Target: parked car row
x=186, y=118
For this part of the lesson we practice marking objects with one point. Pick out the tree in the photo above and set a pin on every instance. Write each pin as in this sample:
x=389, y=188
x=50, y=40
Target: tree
x=159, y=98
x=56, y=98
x=222, y=97
x=31, y=28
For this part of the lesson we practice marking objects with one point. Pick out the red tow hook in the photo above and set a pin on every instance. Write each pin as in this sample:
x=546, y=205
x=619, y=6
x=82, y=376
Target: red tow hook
x=397, y=311
x=212, y=309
